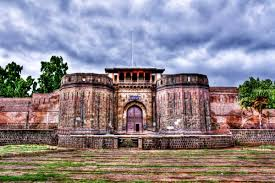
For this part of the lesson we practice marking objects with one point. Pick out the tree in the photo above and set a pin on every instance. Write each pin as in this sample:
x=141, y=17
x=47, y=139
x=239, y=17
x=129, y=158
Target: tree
x=12, y=84
x=258, y=95
x=52, y=73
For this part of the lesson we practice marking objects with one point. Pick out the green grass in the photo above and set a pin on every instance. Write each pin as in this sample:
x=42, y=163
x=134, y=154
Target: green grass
x=103, y=165
x=33, y=177
x=18, y=149
x=223, y=173
x=270, y=147
x=90, y=181
x=18, y=163
x=64, y=164
x=165, y=166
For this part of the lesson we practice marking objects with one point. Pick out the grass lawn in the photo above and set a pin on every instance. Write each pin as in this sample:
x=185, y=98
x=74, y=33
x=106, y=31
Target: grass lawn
x=132, y=165
x=19, y=149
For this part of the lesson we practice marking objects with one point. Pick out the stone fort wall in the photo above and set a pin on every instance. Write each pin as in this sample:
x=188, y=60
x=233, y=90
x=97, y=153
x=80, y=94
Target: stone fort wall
x=51, y=137
x=28, y=136
x=96, y=100
x=86, y=102
x=123, y=93
x=39, y=112
x=90, y=104
x=183, y=103
x=90, y=101
x=226, y=112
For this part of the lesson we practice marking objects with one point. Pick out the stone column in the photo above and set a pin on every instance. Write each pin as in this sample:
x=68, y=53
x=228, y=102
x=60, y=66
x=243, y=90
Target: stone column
x=143, y=76
x=140, y=143
x=115, y=142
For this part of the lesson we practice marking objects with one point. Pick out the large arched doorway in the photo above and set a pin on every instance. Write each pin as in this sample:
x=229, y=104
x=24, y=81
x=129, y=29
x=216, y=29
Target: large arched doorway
x=134, y=119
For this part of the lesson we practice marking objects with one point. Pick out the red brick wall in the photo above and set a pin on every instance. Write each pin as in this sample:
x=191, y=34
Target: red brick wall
x=226, y=112
x=39, y=112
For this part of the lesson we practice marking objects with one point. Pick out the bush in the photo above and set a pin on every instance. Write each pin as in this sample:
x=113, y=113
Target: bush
x=128, y=143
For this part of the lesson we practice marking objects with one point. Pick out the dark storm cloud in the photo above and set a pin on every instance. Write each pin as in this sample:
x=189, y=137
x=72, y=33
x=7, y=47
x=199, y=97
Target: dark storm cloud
x=227, y=40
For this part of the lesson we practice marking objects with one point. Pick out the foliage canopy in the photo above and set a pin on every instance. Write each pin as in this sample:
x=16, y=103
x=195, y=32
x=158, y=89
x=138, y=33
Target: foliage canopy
x=257, y=94
x=11, y=82
x=51, y=74
x=13, y=85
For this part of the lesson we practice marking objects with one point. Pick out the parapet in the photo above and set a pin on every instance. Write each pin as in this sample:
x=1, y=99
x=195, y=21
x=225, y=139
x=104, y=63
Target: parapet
x=81, y=79
x=186, y=79
x=223, y=90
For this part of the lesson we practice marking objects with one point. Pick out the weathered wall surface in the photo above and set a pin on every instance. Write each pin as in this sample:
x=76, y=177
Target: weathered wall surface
x=44, y=111
x=14, y=112
x=91, y=101
x=253, y=136
x=183, y=103
x=144, y=92
x=226, y=112
x=95, y=142
x=28, y=137
x=148, y=142
x=224, y=107
x=39, y=112
x=187, y=142
x=86, y=101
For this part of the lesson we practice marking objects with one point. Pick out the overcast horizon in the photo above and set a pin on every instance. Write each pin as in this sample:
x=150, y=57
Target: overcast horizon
x=228, y=41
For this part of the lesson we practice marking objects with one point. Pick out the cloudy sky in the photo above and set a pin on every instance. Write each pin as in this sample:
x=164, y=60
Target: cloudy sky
x=229, y=40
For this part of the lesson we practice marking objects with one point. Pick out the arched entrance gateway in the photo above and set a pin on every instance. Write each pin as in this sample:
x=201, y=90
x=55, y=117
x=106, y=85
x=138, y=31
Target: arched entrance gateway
x=134, y=119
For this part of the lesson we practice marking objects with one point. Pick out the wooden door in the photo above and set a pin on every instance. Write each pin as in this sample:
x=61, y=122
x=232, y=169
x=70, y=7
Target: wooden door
x=134, y=119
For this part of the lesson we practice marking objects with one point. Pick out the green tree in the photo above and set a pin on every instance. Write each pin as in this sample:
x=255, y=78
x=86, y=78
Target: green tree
x=258, y=95
x=12, y=84
x=52, y=73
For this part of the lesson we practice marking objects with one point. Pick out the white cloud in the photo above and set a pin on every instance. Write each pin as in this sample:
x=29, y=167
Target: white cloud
x=228, y=41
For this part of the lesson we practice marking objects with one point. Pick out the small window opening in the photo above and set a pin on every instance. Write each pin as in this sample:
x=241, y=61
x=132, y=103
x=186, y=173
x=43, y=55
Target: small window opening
x=147, y=76
x=134, y=78
x=121, y=76
x=153, y=78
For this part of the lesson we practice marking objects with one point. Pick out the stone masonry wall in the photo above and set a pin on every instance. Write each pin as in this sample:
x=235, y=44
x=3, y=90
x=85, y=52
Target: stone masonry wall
x=183, y=103
x=187, y=142
x=28, y=137
x=253, y=136
x=95, y=142
x=39, y=112
x=147, y=142
x=44, y=111
x=14, y=112
x=123, y=101
x=226, y=112
x=86, y=101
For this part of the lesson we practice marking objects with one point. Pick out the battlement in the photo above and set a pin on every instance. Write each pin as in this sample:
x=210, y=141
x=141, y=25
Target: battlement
x=80, y=79
x=223, y=90
x=187, y=79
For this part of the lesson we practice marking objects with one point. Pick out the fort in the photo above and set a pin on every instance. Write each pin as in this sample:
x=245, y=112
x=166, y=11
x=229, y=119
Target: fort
x=151, y=109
